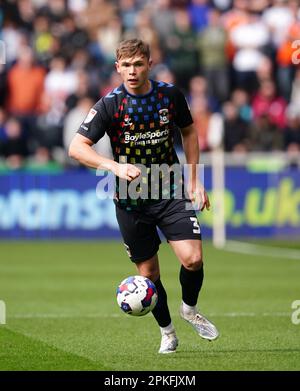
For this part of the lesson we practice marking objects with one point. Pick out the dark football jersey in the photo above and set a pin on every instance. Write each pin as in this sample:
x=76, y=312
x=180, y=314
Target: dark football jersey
x=140, y=127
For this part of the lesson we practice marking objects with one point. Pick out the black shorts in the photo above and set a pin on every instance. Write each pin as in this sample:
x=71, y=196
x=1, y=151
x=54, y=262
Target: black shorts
x=139, y=227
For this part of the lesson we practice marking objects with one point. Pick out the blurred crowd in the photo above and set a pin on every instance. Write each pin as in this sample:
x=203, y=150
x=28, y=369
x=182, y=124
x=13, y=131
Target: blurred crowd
x=236, y=61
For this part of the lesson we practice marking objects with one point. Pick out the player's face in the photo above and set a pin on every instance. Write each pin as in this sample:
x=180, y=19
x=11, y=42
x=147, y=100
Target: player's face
x=135, y=73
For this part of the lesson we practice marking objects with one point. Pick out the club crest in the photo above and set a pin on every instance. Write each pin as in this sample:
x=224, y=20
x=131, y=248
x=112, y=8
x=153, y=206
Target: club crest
x=163, y=116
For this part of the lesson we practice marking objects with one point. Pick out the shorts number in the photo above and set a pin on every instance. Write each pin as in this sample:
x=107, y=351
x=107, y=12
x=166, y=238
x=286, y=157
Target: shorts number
x=196, y=226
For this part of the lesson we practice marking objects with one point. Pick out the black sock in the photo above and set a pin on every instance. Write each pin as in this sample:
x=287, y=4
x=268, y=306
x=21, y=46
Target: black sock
x=161, y=311
x=191, y=283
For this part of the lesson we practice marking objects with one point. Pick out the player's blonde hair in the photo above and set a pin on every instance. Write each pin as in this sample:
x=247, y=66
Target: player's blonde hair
x=130, y=47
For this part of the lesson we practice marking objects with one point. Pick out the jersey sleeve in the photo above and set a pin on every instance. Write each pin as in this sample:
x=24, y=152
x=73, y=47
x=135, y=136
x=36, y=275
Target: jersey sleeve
x=183, y=115
x=96, y=123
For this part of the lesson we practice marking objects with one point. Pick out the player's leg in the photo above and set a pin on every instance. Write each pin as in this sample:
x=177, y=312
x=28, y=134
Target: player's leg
x=189, y=253
x=142, y=243
x=181, y=228
x=150, y=269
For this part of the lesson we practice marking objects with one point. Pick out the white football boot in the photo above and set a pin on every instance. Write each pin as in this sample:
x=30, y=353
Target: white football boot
x=203, y=326
x=169, y=343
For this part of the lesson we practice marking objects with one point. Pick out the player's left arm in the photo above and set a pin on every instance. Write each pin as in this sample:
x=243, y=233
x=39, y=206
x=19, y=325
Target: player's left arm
x=196, y=190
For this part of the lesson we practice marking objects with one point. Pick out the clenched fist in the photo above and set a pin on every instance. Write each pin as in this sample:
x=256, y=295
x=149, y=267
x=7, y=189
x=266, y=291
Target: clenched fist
x=127, y=171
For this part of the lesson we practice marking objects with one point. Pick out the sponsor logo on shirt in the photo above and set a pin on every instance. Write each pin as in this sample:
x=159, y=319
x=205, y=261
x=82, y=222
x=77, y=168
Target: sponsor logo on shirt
x=150, y=137
x=90, y=116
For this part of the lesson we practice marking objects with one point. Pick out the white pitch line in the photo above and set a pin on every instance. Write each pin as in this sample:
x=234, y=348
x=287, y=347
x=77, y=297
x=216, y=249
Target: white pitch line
x=258, y=249
x=71, y=316
x=56, y=316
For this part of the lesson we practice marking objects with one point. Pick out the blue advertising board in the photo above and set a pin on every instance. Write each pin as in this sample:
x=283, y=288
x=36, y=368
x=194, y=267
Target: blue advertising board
x=66, y=205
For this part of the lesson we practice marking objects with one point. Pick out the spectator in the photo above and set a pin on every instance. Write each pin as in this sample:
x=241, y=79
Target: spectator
x=162, y=18
x=13, y=39
x=60, y=82
x=265, y=71
x=268, y=104
x=73, y=37
x=240, y=99
x=199, y=14
x=43, y=40
x=162, y=73
x=214, y=62
x=108, y=38
x=209, y=125
x=128, y=11
x=91, y=19
x=236, y=130
x=265, y=135
x=14, y=145
x=278, y=18
x=84, y=88
x=144, y=30
x=77, y=6
x=25, y=85
x=110, y=84
x=236, y=16
x=55, y=9
x=181, y=49
x=249, y=39
x=198, y=87
x=26, y=14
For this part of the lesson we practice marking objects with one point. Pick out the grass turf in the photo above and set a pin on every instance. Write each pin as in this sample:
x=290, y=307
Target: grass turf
x=62, y=313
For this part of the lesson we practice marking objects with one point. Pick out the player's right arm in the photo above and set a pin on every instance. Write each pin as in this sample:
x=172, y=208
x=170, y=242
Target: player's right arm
x=81, y=150
x=90, y=132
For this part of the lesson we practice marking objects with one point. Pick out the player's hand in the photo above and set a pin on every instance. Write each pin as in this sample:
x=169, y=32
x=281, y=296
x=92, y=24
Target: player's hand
x=199, y=197
x=127, y=171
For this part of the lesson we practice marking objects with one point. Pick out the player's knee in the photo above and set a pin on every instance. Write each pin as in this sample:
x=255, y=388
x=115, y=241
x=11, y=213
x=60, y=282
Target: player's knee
x=150, y=272
x=153, y=275
x=194, y=261
x=149, y=268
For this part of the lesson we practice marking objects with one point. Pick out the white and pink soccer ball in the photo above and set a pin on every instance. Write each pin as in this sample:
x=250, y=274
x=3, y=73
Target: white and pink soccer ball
x=136, y=295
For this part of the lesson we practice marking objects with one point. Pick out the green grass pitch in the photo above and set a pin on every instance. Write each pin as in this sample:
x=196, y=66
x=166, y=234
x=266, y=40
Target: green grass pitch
x=61, y=311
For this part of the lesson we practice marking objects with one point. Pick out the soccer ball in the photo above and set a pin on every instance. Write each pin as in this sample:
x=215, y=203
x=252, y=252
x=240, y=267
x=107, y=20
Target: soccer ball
x=136, y=295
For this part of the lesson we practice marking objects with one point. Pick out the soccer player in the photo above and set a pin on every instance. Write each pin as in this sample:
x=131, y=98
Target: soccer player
x=140, y=117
